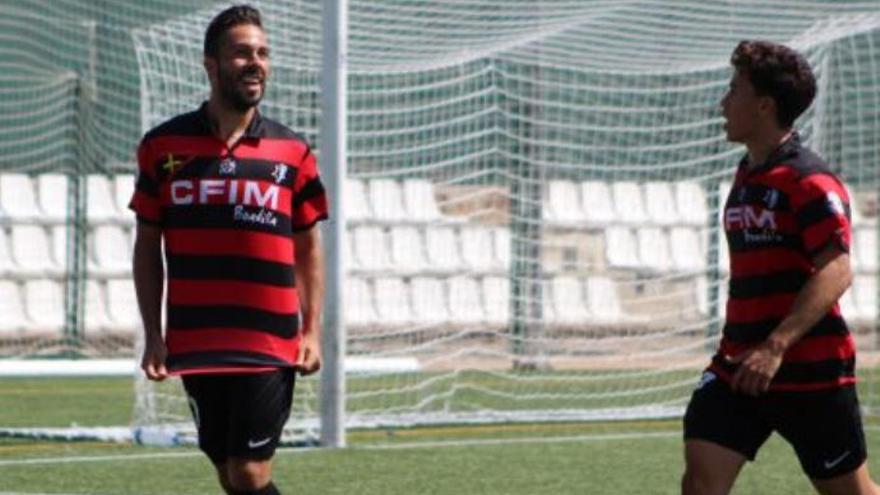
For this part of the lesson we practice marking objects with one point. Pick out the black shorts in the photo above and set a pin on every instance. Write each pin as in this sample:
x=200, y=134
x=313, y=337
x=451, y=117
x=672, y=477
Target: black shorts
x=824, y=427
x=240, y=415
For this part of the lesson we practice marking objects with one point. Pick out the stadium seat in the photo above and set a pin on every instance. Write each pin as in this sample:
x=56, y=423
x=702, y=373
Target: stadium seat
x=18, y=199
x=359, y=307
x=848, y=307
x=660, y=204
x=621, y=248
x=691, y=202
x=53, y=196
x=562, y=204
x=407, y=249
x=386, y=199
x=444, y=253
x=419, y=200
x=465, y=302
x=865, y=250
x=58, y=233
x=628, y=203
x=723, y=253
x=569, y=302
x=654, y=249
x=111, y=254
x=122, y=306
x=95, y=310
x=392, y=301
x=357, y=208
x=476, y=248
x=371, y=248
x=596, y=203
x=123, y=188
x=100, y=200
x=496, y=295
x=44, y=306
x=429, y=301
x=7, y=263
x=686, y=249
x=11, y=307
x=32, y=253
x=501, y=248
x=603, y=301
x=865, y=296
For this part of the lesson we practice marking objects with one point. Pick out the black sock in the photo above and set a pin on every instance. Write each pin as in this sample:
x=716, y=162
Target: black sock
x=266, y=490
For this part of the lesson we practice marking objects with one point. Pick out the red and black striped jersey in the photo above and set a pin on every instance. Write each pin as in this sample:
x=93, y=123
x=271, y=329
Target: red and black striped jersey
x=778, y=217
x=227, y=217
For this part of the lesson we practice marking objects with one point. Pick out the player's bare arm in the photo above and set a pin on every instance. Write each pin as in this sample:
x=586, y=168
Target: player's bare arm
x=149, y=277
x=309, y=270
x=831, y=279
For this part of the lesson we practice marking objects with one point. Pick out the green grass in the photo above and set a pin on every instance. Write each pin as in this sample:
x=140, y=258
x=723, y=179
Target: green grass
x=590, y=458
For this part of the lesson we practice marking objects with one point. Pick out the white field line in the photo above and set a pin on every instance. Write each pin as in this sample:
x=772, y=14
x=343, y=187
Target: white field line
x=400, y=446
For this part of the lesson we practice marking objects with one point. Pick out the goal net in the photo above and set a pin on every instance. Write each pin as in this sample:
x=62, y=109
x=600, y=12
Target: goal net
x=533, y=190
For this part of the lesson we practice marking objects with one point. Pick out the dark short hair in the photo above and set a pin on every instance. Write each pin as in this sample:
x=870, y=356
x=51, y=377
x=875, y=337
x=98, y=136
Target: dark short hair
x=226, y=20
x=779, y=72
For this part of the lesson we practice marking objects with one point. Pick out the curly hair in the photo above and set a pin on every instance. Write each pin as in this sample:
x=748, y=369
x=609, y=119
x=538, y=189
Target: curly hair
x=226, y=20
x=779, y=72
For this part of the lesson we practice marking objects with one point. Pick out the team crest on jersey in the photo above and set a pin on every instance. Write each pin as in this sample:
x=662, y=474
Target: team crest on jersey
x=227, y=167
x=279, y=172
x=172, y=164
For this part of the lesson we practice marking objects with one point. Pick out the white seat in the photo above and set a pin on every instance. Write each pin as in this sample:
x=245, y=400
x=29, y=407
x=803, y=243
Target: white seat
x=442, y=246
x=465, y=303
x=44, y=306
x=621, y=249
x=58, y=234
x=501, y=248
x=359, y=307
x=628, y=203
x=53, y=196
x=392, y=301
x=848, y=307
x=660, y=203
x=654, y=249
x=569, y=301
x=562, y=203
x=603, y=301
x=686, y=250
x=32, y=252
x=12, y=308
x=123, y=189
x=357, y=207
x=865, y=296
x=371, y=248
x=407, y=249
x=386, y=199
x=100, y=200
x=691, y=201
x=723, y=253
x=122, y=306
x=18, y=199
x=476, y=248
x=7, y=264
x=111, y=256
x=420, y=203
x=496, y=295
x=596, y=203
x=95, y=318
x=865, y=250
x=429, y=301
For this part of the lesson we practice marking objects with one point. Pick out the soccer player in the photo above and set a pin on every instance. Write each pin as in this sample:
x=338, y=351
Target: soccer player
x=235, y=197
x=786, y=359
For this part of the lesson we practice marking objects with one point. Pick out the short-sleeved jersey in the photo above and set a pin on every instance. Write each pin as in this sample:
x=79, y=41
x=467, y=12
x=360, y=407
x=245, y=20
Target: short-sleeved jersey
x=227, y=217
x=778, y=217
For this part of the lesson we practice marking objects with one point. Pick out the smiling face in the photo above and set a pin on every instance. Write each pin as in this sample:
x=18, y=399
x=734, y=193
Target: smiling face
x=239, y=72
x=744, y=110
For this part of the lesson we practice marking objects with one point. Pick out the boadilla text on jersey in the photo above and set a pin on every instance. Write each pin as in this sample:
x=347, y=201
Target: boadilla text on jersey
x=777, y=218
x=227, y=218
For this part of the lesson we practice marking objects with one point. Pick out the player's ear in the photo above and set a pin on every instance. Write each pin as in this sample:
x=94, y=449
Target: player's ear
x=210, y=64
x=767, y=107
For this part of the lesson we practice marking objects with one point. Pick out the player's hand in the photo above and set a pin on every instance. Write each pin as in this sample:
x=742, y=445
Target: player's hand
x=309, y=359
x=757, y=367
x=153, y=360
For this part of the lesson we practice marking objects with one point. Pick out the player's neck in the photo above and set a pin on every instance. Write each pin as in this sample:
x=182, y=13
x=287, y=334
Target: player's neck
x=228, y=124
x=765, y=143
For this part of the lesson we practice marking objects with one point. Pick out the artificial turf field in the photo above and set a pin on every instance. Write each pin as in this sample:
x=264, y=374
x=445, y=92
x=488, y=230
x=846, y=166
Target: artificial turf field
x=590, y=458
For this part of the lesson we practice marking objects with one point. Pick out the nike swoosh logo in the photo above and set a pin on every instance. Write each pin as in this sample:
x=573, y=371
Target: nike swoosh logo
x=831, y=464
x=255, y=445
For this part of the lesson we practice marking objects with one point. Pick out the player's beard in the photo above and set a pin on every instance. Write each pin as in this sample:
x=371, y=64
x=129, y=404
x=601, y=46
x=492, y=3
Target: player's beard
x=236, y=96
